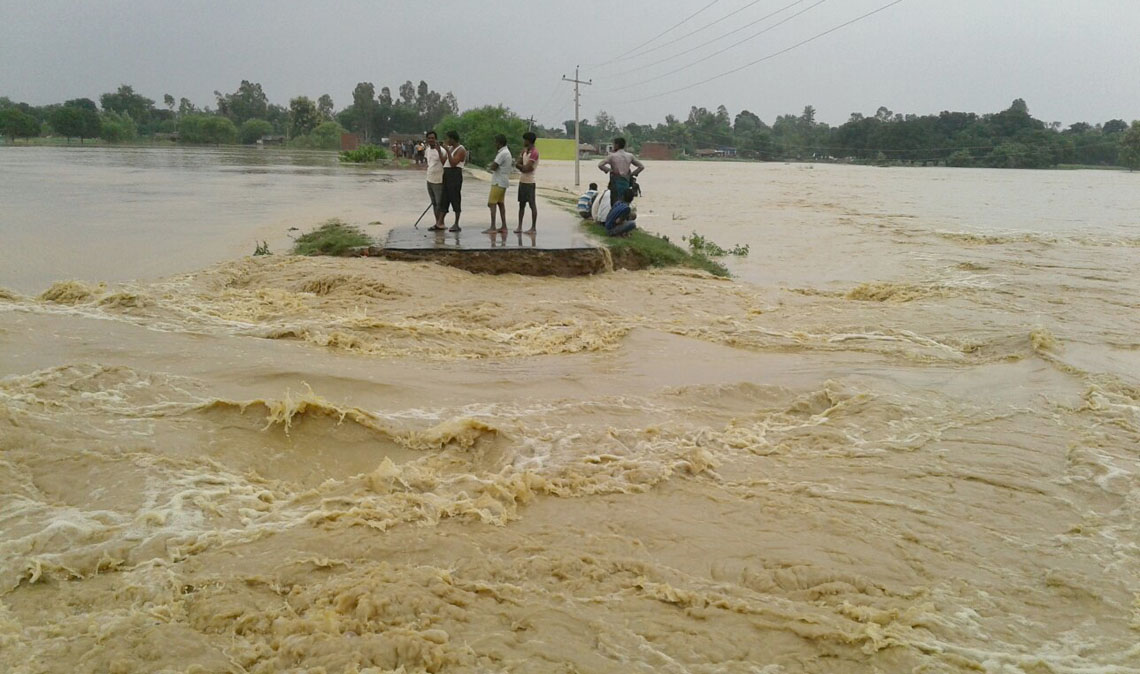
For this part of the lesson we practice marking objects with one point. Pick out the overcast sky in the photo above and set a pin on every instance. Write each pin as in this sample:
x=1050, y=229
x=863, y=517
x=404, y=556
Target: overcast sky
x=1071, y=61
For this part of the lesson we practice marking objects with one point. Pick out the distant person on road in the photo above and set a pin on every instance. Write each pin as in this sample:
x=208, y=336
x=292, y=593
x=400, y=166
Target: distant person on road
x=527, y=164
x=434, y=157
x=619, y=221
x=453, y=163
x=586, y=201
x=500, y=181
x=419, y=153
x=622, y=167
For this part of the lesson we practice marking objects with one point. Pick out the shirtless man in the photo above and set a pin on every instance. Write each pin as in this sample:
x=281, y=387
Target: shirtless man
x=622, y=167
x=527, y=164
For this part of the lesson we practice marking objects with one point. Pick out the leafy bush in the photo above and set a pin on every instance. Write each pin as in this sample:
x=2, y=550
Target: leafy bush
x=115, y=127
x=206, y=130
x=699, y=245
x=252, y=130
x=332, y=238
x=324, y=137
x=960, y=159
x=364, y=154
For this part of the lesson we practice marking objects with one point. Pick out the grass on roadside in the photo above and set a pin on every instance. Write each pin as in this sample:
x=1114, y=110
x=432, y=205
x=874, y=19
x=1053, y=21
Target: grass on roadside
x=334, y=237
x=658, y=251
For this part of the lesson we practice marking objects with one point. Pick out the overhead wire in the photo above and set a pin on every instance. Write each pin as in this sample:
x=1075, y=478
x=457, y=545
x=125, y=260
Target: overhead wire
x=773, y=55
x=708, y=42
x=731, y=46
x=662, y=33
x=549, y=100
x=694, y=32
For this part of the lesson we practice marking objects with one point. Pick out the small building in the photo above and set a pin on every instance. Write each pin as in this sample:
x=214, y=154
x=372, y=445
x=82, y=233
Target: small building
x=271, y=140
x=706, y=153
x=726, y=151
x=350, y=141
x=656, y=150
x=586, y=150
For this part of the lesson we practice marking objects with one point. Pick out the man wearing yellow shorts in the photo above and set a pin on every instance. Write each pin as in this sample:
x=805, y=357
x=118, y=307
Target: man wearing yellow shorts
x=500, y=181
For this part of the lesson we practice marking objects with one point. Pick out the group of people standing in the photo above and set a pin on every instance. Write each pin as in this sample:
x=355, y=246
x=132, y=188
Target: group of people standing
x=613, y=208
x=527, y=165
x=445, y=162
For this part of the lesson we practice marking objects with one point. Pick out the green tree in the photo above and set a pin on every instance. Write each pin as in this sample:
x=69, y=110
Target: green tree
x=185, y=107
x=126, y=102
x=1130, y=147
x=808, y=116
x=15, y=123
x=248, y=102
x=168, y=101
x=1115, y=126
x=607, y=127
x=303, y=116
x=325, y=107
x=364, y=109
x=477, y=128
x=77, y=118
x=252, y=130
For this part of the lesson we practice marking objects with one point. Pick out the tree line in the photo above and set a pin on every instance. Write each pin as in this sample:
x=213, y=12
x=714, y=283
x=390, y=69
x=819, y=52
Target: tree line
x=243, y=116
x=1011, y=138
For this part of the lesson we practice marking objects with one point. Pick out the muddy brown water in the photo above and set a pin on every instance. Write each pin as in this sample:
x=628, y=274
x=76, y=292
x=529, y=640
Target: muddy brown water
x=903, y=438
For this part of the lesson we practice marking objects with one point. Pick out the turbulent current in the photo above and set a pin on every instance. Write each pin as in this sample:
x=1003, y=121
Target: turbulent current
x=903, y=439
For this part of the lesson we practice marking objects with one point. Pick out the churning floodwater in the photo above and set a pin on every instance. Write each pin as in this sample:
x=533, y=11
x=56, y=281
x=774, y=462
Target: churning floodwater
x=902, y=439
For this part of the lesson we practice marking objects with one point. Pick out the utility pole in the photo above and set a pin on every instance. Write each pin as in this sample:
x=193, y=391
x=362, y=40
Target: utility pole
x=577, y=121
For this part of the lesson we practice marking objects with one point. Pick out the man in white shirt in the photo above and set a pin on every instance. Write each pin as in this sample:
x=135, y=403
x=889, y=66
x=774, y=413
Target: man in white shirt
x=433, y=153
x=500, y=181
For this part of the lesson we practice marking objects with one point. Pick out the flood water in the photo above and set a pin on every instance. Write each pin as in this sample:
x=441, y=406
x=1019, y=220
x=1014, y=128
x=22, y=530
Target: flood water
x=903, y=438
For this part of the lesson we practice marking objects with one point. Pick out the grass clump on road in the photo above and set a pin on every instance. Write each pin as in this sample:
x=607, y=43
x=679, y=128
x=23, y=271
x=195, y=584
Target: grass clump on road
x=334, y=237
x=654, y=250
x=657, y=251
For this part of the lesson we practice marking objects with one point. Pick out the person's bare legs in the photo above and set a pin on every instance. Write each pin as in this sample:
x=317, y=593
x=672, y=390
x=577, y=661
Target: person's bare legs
x=502, y=217
x=533, y=216
x=522, y=212
x=492, y=229
x=455, y=226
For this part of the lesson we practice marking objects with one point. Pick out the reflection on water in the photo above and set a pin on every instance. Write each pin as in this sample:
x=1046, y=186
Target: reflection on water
x=121, y=213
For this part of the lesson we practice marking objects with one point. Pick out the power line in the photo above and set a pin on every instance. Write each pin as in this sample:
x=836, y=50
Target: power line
x=705, y=44
x=550, y=99
x=675, y=40
x=679, y=23
x=772, y=55
x=731, y=46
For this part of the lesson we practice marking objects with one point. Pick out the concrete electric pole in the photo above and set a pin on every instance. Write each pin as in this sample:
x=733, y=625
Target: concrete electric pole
x=577, y=117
